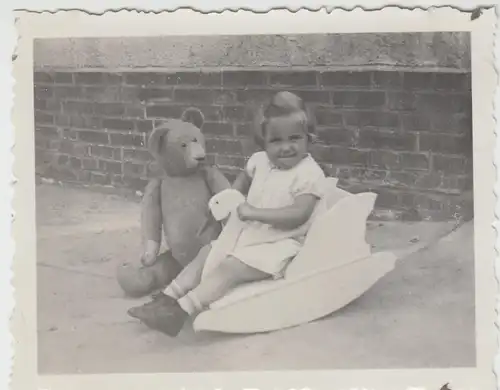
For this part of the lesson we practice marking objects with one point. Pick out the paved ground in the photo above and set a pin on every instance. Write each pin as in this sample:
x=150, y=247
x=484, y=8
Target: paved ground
x=420, y=315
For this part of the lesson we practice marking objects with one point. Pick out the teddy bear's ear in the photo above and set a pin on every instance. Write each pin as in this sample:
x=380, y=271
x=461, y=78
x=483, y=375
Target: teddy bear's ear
x=193, y=116
x=155, y=141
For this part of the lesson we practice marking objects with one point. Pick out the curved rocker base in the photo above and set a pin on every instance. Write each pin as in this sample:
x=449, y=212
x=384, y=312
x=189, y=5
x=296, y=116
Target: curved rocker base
x=271, y=305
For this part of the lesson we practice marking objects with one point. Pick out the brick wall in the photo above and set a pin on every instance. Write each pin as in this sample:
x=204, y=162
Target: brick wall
x=404, y=135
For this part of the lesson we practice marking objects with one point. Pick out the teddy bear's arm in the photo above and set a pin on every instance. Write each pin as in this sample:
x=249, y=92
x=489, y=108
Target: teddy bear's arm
x=151, y=215
x=216, y=181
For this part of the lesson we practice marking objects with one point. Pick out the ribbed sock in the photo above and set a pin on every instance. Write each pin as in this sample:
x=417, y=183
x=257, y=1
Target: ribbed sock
x=190, y=304
x=173, y=290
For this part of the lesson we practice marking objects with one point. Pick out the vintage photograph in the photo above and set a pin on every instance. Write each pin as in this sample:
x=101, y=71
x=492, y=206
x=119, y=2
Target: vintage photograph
x=242, y=202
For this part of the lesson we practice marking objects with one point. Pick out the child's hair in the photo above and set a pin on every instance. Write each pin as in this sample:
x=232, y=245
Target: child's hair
x=284, y=104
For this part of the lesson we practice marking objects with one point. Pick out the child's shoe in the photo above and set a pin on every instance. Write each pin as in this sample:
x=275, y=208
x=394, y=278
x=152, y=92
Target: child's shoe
x=164, y=315
x=158, y=299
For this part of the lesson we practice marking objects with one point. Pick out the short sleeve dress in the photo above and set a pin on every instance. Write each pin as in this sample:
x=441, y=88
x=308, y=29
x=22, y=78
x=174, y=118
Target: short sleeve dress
x=260, y=245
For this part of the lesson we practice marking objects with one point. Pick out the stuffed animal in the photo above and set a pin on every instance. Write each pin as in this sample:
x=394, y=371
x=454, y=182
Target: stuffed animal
x=176, y=202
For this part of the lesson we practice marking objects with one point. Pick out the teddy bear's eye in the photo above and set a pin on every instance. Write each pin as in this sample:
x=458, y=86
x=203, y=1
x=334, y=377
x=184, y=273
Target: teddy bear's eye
x=195, y=140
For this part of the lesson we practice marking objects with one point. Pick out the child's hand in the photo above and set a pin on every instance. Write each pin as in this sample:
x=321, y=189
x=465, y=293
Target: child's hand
x=245, y=211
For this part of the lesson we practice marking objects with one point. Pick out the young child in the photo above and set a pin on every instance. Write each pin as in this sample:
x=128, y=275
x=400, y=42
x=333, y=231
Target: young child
x=283, y=184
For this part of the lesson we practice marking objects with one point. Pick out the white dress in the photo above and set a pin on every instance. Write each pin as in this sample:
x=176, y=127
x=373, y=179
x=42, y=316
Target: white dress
x=260, y=245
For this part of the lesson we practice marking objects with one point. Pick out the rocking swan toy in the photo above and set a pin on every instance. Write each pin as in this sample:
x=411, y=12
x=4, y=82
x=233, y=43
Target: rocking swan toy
x=334, y=267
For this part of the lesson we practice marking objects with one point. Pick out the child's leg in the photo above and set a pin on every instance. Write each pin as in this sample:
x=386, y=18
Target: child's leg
x=190, y=276
x=229, y=274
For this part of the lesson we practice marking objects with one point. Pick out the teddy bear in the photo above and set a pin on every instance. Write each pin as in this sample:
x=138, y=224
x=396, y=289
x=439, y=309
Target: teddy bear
x=175, y=203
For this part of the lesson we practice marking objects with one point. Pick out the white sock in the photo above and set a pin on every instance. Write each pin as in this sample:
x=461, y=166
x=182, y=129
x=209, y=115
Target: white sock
x=173, y=290
x=190, y=304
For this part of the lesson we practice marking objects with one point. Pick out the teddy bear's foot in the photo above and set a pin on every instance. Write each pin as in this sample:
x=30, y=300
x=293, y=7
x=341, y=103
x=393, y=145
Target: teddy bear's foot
x=162, y=314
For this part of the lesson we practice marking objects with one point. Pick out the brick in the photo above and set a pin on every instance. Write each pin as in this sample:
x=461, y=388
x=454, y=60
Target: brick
x=89, y=78
x=401, y=101
x=73, y=107
x=81, y=150
x=453, y=81
x=43, y=77
x=126, y=140
x=218, y=128
x=134, y=170
x=147, y=94
x=230, y=161
x=144, y=126
x=293, y=79
x=143, y=78
x=341, y=155
x=183, y=78
x=256, y=96
x=373, y=139
x=237, y=114
x=327, y=116
x=118, y=124
x=55, y=144
x=110, y=109
x=47, y=131
x=245, y=129
x=135, y=183
x=429, y=181
x=136, y=155
x=418, y=161
x=91, y=122
x=418, y=80
x=243, y=78
x=224, y=96
x=337, y=136
x=70, y=134
x=401, y=179
x=109, y=93
x=106, y=152
x=40, y=104
x=444, y=143
x=164, y=111
x=385, y=159
x=415, y=122
x=386, y=198
x=100, y=178
x=211, y=79
x=44, y=118
x=77, y=121
x=41, y=142
x=454, y=123
x=231, y=147
x=455, y=183
x=43, y=92
x=62, y=159
x=368, y=175
x=313, y=96
x=110, y=166
x=193, y=96
x=387, y=79
x=345, y=78
x=53, y=105
x=93, y=137
x=372, y=118
x=452, y=164
x=359, y=99
x=135, y=111
x=66, y=147
x=434, y=103
x=113, y=78
x=63, y=77
x=70, y=92
x=75, y=163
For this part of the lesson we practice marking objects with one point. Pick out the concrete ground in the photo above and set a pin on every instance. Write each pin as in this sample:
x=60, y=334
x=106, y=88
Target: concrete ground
x=420, y=315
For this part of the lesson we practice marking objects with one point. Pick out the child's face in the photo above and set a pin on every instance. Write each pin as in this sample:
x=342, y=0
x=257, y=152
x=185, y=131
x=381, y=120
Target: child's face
x=285, y=142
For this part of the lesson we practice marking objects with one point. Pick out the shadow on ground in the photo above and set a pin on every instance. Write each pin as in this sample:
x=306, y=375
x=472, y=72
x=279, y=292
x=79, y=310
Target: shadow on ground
x=419, y=316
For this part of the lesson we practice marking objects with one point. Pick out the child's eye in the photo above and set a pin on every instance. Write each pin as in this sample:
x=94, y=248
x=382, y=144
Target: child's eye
x=195, y=140
x=183, y=144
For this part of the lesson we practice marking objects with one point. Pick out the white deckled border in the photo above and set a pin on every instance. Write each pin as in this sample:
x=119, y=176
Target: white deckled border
x=188, y=22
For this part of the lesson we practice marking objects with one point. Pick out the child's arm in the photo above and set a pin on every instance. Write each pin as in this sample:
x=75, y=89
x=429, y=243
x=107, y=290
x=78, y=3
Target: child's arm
x=242, y=182
x=286, y=218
